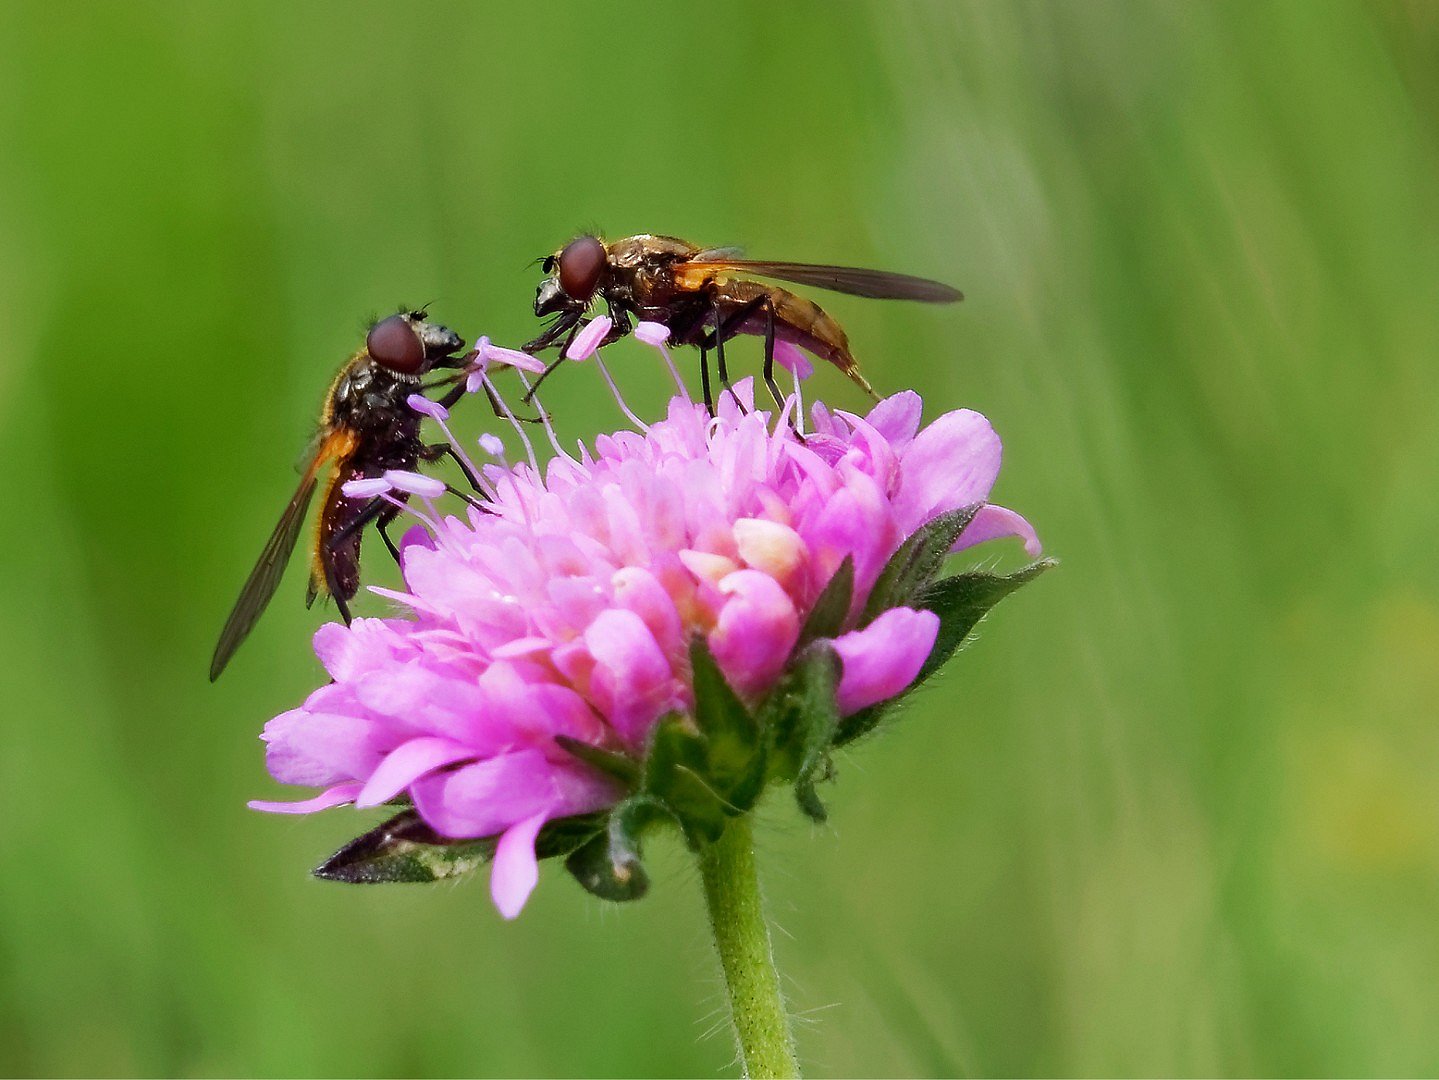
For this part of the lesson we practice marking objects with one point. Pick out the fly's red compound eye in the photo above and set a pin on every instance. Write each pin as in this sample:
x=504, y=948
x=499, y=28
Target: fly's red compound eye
x=393, y=343
x=581, y=263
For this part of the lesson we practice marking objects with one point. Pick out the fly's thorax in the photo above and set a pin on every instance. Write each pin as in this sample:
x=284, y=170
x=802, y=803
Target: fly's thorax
x=373, y=400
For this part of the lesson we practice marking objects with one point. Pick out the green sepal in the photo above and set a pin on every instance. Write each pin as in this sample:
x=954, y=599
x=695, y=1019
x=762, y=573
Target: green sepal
x=734, y=752
x=799, y=718
x=826, y=619
x=405, y=849
x=960, y=602
x=614, y=765
x=916, y=562
x=609, y=864
x=819, y=669
x=676, y=771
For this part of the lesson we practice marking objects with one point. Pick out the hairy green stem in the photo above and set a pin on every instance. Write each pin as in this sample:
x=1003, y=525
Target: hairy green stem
x=761, y=1025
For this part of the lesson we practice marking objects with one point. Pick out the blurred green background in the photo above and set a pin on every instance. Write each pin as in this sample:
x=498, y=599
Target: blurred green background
x=1174, y=813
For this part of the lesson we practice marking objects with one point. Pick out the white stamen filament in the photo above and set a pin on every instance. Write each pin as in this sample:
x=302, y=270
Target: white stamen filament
x=615, y=390
x=674, y=371
x=514, y=422
x=431, y=523
x=485, y=488
x=544, y=417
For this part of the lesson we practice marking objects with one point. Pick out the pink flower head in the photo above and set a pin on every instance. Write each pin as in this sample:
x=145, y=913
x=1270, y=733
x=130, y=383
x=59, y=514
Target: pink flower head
x=564, y=612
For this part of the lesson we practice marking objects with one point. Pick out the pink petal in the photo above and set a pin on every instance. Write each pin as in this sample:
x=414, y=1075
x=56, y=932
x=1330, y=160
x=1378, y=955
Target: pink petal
x=489, y=796
x=349, y=651
x=883, y=658
x=756, y=630
x=950, y=464
x=897, y=418
x=790, y=358
x=993, y=522
x=516, y=871
x=336, y=796
x=632, y=683
x=320, y=748
x=407, y=764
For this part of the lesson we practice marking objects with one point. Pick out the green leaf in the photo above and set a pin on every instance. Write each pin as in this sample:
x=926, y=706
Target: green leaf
x=918, y=559
x=676, y=774
x=405, y=849
x=961, y=601
x=734, y=753
x=622, y=768
x=826, y=618
x=609, y=864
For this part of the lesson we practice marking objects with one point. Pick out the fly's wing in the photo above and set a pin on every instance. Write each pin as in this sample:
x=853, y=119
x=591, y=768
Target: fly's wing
x=876, y=284
x=717, y=255
x=265, y=578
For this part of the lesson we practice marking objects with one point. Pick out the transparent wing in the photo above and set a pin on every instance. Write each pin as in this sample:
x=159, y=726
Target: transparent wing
x=264, y=579
x=718, y=255
x=876, y=284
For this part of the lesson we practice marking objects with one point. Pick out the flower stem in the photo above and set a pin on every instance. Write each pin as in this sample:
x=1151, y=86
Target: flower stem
x=736, y=912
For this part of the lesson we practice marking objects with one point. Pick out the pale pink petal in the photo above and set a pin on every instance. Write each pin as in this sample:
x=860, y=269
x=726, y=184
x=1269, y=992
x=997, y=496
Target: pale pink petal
x=993, y=522
x=770, y=546
x=516, y=871
x=322, y=748
x=792, y=359
x=632, y=683
x=897, y=418
x=757, y=628
x=408, y=763
x=336, y=796
x=488, y=797
x=951, y=463
x=883, y=658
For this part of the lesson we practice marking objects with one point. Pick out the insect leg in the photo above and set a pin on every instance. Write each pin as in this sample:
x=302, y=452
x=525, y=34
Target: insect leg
x=371, y=510
x=454, y=394
x=621, y=320
x=705, y=380
x=435, y=451
x=769, y=354
x=382, y=526
x=575, y=328
x=719, y=352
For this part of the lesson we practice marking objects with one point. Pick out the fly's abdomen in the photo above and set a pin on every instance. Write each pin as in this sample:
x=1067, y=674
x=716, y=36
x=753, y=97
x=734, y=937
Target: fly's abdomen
x=799, y=321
